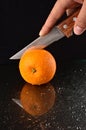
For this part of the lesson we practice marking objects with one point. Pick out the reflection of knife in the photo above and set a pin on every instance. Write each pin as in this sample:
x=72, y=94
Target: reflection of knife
x=17, y=101
x=63, y=29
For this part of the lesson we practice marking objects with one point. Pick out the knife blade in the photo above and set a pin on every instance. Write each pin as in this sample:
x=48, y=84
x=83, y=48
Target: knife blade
x=41, y=42
x=65, y=28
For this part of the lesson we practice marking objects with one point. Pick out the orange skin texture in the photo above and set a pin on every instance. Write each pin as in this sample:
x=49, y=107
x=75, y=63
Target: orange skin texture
x=37, y=100
x=37, y=66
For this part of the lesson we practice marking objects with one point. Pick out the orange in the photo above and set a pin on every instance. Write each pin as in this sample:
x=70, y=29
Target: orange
x=37, y=100
x=37, y=66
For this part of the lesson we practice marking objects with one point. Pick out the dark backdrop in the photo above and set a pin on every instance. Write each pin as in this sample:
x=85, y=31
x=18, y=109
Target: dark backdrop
x=21, y=21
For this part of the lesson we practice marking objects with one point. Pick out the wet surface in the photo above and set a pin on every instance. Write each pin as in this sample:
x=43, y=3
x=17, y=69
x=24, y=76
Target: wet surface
x=68, y=112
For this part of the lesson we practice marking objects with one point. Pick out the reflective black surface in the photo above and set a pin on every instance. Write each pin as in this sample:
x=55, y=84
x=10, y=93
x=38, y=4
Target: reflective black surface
x=69, y=110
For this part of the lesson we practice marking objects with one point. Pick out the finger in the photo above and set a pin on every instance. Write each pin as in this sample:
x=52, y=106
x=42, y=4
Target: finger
x=54, y=15
x=80, y=24
x=69, y=11
x=79, y=1
x=72, y=9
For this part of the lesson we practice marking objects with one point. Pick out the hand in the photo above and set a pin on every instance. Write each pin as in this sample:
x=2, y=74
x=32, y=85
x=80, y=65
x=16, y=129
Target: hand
x=62, y=6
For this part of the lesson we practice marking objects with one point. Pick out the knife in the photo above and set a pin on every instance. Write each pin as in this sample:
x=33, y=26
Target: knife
x=65, y=28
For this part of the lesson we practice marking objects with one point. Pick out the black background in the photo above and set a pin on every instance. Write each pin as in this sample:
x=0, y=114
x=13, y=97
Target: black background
x=21, y=22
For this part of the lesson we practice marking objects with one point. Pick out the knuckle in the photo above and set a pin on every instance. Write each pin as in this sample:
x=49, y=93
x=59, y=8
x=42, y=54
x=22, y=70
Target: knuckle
x=81, y=23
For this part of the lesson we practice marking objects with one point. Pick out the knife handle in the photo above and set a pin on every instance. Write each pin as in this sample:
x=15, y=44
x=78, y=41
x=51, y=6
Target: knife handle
x=67, y=25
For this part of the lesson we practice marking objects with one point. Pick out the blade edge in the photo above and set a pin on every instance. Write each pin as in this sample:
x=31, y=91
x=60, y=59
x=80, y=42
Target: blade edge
x=41, y=42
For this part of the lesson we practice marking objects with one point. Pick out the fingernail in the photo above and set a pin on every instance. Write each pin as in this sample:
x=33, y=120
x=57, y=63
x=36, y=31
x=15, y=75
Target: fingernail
x=40, y=33
x=78, y=30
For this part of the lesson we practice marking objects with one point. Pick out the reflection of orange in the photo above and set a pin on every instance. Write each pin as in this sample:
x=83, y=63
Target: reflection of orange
x=37, y=66
x=37, y=100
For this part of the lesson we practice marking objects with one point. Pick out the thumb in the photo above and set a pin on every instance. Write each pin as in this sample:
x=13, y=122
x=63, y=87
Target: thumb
x=80, y=24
